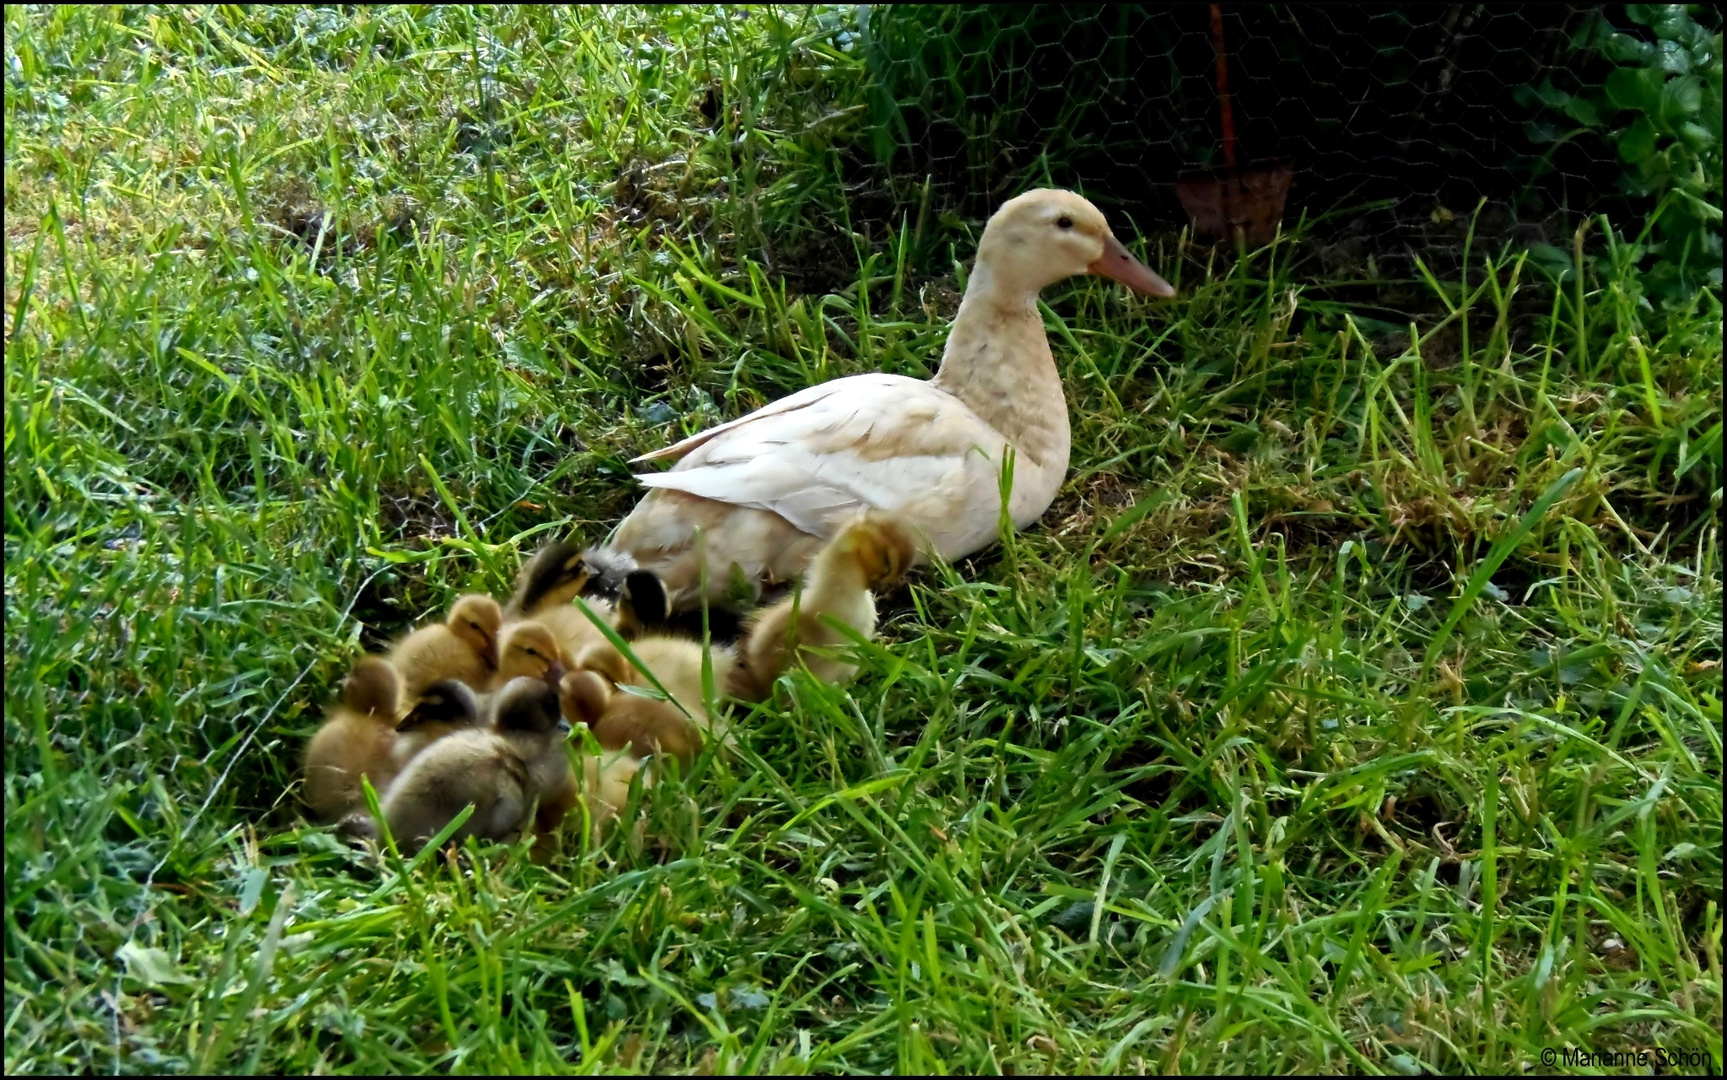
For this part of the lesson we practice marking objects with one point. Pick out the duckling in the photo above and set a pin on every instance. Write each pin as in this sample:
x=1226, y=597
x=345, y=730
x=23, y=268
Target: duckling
x=504, y=770
x=643, y=608
x=528, y=648
x=646, y=725
x=446, y=707
x=869, y=554
x=583, y=698
x=373, y=687
x=873, y=551
x=357, y=739
x=464, y=647
x=544, y=588
x=607, y=786
x=554, y=575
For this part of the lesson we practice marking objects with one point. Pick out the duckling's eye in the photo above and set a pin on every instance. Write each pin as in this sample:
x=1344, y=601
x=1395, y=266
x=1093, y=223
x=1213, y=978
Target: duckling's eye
x=1064, y=222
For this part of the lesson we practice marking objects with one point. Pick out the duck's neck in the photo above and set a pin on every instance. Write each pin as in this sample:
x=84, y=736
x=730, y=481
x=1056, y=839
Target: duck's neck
x=998, y=362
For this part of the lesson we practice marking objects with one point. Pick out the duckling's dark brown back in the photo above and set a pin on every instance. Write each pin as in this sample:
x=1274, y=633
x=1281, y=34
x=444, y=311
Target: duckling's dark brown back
x=529, y=706
x=554, y=575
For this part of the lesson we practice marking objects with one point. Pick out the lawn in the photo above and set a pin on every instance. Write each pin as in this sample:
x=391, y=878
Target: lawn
x=1356, y=707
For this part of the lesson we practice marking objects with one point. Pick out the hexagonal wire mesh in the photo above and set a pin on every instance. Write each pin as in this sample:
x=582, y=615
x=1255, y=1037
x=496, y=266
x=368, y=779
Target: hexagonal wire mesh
x=1410, y=114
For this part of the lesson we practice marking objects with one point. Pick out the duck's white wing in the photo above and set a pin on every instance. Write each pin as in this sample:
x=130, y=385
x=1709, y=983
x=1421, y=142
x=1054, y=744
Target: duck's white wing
x=881, y=441
x=802, y=399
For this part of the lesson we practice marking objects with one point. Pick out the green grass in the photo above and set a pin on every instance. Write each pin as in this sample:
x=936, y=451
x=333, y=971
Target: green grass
x=1356, y=707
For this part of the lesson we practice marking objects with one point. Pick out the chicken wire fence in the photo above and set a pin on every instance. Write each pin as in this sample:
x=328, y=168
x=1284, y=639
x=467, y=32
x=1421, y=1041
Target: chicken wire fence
x=1403, y=117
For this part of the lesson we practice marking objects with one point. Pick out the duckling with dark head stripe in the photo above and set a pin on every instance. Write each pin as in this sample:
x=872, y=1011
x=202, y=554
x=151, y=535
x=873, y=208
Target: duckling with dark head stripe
x=505, y=770
x=545, y=587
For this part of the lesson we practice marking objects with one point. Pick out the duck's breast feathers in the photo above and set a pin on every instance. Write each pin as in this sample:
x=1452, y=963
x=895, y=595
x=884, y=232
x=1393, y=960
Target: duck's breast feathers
x=877, y=441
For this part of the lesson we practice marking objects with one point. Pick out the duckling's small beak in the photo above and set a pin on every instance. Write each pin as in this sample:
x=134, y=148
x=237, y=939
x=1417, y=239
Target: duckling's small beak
x=489, y=653
x=555, y=673
x=1118, y=264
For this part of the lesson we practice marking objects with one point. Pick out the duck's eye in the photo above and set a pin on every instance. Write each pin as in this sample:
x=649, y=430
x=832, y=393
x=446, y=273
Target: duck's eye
x=1064, y=222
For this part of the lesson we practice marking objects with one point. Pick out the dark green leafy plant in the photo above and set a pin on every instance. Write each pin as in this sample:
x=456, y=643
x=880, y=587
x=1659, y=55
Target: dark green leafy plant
x=1660, y=109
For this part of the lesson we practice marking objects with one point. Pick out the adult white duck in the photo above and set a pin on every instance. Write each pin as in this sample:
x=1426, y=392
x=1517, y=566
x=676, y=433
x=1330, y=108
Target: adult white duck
x=767, y=490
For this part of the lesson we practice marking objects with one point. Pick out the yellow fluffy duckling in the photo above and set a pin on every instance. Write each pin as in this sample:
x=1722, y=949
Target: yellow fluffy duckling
x=869, y=555
x=584, y=697
x=357, y=739
x=646, y=725
x=464, y=647
x=545, y=587
x=528, y=648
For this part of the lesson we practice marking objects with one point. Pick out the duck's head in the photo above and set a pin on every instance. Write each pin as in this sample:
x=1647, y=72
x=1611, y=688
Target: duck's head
x=529, y=649
x=373, y=687
x=475, y=620
x=1042, y=236
x=448, y=704
x=529, y=705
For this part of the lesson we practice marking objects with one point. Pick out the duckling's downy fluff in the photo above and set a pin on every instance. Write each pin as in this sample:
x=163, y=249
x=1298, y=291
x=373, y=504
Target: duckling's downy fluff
x=357, y=739
x=464, y=647
x=504, y=769
x=871, y=552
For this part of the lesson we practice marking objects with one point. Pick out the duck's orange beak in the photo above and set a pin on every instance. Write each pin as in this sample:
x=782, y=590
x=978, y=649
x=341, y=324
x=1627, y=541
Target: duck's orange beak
x=1118, y=264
